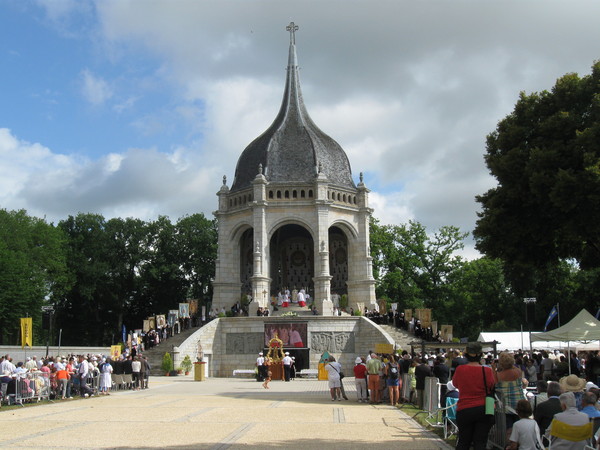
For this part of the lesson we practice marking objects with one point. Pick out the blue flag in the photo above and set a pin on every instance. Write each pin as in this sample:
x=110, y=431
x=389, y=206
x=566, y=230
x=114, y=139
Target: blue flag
x=598, y=314
x=124, y=333
x=551, y=316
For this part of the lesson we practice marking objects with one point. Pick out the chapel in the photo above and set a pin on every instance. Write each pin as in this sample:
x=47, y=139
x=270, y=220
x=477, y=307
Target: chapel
x=293, y=218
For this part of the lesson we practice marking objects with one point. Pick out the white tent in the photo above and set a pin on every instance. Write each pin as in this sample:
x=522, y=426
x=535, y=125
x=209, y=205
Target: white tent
x=515, y=340
x=582, y=328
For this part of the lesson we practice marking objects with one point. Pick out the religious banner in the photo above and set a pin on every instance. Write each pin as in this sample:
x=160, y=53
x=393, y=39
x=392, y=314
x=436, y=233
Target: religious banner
x=384, y=348
x=146, y=326
x=172, y=317
x=115, y=352
x=193, y=307
x=203, y=313
x=394, y=307
x=184, y=310
x=424, y=315
x=382, y=303
x=446, y=333
x=434, y=327
x=408, y=313
x=152, y=322
x=161, y=321
x=26, y=331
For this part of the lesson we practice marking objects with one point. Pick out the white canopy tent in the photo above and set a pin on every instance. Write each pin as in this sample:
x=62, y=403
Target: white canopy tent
x=515, y=340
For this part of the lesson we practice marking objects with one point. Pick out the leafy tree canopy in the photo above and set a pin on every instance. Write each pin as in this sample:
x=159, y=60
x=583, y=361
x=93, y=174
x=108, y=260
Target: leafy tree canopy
x=545, y=156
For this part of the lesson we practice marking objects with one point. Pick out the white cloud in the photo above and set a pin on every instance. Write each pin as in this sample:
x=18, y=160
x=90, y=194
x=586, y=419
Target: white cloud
x=140, y=183
x=94, y=89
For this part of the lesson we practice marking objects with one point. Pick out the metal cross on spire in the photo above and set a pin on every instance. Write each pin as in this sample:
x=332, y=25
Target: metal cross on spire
x=292, y=28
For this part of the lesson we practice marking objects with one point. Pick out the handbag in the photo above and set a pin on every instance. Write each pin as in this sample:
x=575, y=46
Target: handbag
x=490, y=397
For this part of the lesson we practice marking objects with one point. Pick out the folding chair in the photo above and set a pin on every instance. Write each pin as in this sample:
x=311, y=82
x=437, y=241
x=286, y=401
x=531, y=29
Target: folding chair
x=117, y=381
x=127, y=380
x=573, y=433
x=450, y=426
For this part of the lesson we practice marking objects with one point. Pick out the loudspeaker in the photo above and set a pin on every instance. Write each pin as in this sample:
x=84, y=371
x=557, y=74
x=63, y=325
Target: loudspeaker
x=45, y=321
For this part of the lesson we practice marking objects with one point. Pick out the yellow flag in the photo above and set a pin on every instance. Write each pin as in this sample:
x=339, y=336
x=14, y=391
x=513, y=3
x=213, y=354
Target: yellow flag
x=26, y=332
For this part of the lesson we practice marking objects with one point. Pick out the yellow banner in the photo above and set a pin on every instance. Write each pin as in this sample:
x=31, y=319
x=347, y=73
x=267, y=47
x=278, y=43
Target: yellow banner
x=384, y=348
x=26, y=332
x=115, y=352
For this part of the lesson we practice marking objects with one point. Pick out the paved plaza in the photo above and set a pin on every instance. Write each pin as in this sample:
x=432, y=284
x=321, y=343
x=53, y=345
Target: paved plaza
x=215, y=414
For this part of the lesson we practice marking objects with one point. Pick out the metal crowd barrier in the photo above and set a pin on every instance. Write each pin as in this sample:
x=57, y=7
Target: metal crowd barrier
x=405, y=392
x=30, y=387
x=497, y=437
x=431, y=395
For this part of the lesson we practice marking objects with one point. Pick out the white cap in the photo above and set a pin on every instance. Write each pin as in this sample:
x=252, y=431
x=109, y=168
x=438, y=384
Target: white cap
x=589, y=385
x=287, y=353
x=260, y=354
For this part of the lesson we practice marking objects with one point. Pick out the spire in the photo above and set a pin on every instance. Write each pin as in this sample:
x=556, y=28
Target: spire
x=293, y=147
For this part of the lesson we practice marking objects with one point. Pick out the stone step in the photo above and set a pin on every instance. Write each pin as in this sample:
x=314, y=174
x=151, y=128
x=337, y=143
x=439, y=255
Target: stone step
x=401, y=337
x=155, y=354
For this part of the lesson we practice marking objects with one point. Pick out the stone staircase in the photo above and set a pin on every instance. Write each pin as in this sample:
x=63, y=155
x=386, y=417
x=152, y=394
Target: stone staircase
x=305, y=311
x=401, y=338
x=155, y=354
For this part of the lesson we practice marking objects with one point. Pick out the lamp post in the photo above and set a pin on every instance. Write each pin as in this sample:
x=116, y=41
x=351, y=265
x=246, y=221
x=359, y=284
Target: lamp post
x=530, y=316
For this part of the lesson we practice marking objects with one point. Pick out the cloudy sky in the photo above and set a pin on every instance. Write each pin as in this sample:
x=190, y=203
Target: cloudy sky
x=138, y=108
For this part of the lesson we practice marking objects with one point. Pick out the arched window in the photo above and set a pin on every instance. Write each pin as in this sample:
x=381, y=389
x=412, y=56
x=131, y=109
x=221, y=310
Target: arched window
x=270, y=194
x=287, y=194
x=294, y=194
x=302, y=194
x=278, y=194
x=310, y=193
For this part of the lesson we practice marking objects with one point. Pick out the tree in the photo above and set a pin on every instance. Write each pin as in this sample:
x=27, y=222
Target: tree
x=32, y=269
x=197, y=239
x=545, y=156
x=413, y=267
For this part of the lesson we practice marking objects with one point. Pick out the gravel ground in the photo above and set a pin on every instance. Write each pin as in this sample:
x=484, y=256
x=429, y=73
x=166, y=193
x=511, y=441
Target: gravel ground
x=219, y=413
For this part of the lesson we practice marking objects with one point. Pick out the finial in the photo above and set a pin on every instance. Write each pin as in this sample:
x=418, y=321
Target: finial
x=292, y=28
x=224, y=180
x=257, y=247
x=260, y=169
x=320, y=167
x=322, y=246
x=361, y=177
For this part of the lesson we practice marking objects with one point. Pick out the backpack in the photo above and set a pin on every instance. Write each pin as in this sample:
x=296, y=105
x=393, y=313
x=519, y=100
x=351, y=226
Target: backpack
x=393, y=372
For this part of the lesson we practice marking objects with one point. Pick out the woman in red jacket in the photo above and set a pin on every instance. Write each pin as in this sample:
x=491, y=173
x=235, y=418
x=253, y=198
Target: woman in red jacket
x=473, y=381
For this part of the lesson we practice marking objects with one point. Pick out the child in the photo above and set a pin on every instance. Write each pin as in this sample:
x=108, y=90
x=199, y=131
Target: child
x=525, y=433
x=267, y=379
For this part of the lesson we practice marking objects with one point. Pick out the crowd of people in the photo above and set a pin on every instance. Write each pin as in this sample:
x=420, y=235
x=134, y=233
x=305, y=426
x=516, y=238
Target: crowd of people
x=534, y=391
x=62, y=377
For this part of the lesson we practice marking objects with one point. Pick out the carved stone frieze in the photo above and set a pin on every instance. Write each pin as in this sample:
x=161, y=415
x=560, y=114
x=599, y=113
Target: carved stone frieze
x=332, y=341
x=243, y=343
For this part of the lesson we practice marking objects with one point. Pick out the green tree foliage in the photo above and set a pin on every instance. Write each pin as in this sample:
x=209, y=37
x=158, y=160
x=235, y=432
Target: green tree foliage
x=413, y=267
x=545, y=157
x=32, y=269
x=126, y=269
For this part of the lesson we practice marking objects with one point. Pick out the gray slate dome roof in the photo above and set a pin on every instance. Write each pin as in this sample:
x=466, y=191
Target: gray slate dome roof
x=293, y=148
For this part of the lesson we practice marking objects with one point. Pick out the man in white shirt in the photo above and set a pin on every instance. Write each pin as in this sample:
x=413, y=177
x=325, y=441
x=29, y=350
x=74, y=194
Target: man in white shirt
x=82, y=374
x=260, y=365
x=287, y=366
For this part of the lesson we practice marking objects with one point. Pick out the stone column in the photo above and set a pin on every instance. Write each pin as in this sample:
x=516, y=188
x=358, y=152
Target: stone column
x=261, y=283
x=226, y=285
x=361, y=289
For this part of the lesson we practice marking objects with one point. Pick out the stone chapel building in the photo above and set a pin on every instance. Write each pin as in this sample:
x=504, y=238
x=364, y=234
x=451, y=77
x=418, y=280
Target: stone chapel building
x=293, y=217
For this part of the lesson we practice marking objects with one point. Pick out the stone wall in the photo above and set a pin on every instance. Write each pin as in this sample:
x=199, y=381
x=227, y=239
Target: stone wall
x=233, y=343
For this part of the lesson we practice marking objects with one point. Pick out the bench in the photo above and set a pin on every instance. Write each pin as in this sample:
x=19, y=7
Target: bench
x=244, y=372
x=308, y=373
